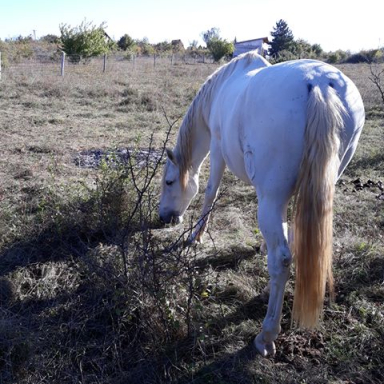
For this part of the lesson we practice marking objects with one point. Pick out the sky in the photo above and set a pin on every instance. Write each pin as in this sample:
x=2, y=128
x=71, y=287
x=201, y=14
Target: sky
x=334, y=24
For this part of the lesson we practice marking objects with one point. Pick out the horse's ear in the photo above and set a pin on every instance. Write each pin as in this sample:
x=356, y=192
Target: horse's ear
x=171, y=156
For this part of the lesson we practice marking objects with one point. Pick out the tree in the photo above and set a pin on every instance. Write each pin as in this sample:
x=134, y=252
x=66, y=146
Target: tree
x=282, y=39
x=84, y=40
x=219, y=48
x=177, y=46
x=126, y=43
x=302, y=49
x=213, y=33
x=316, y=48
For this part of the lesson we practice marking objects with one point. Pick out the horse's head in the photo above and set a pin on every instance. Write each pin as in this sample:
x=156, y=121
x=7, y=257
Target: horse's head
x=178, y=188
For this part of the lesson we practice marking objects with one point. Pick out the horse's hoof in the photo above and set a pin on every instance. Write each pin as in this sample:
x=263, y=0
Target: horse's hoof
x=265, y=349
x=189, y=242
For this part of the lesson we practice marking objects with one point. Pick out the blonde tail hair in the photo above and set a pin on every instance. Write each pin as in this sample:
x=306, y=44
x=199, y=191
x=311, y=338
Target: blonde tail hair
x=314, y=192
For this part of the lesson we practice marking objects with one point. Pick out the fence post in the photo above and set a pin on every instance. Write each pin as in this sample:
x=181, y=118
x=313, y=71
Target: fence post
x=0, y=65
x=154, y=60
x=104, y=62
x=62, y=63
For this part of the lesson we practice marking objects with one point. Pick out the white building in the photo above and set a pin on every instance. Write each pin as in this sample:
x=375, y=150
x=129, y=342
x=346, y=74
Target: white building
x=260, y=44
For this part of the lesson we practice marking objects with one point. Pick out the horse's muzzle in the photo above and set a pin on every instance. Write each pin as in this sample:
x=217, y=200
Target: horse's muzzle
x=171, y=218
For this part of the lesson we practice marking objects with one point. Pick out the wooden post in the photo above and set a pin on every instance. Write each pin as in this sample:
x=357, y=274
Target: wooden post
x=0, y=65
x=62, y=64
x=104, y=62
x=154, y=60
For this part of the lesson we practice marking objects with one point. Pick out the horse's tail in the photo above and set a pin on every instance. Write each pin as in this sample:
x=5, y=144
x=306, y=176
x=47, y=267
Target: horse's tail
x=314, y=191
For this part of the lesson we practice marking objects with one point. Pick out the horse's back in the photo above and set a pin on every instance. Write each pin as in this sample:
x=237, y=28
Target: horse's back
x=263, y=117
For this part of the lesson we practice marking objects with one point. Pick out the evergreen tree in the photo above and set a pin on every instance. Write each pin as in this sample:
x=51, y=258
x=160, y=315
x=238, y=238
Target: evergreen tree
x=282, y=39
x=126, y=42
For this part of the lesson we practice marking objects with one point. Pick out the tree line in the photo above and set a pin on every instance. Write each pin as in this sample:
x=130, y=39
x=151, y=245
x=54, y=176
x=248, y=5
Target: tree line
x=87, y=40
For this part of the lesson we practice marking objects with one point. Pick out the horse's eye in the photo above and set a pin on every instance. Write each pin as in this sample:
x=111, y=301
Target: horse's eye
x=169, y=182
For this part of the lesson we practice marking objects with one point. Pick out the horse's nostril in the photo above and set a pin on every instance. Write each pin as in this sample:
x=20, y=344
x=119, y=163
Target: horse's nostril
x=166, y=218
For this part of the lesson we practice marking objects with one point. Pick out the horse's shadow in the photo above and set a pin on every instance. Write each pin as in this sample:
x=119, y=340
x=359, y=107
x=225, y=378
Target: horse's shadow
x=49, y=245
x=356, y=166
x=230, y=368
x=227, y=258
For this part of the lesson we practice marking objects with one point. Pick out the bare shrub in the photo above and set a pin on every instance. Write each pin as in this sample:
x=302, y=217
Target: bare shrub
x=377, y=75
x=123, y=296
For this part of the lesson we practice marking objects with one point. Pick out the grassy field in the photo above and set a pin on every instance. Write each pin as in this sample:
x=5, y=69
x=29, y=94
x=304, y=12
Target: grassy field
x=94, y=290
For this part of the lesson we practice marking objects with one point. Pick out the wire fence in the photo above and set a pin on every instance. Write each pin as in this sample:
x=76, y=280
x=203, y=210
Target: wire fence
x=63, y=65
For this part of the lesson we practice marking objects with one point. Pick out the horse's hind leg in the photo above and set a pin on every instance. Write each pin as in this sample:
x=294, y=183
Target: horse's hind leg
x=272, y=217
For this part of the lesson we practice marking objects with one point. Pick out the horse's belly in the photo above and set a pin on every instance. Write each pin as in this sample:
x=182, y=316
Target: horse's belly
x=237, y=168
x=233, y=155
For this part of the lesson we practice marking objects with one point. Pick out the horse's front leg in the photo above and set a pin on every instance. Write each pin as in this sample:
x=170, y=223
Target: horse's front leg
x=217, y=166
x=270, y=219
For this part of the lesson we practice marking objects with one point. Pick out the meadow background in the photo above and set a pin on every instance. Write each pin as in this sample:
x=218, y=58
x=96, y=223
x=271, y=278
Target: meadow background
x=94, y=289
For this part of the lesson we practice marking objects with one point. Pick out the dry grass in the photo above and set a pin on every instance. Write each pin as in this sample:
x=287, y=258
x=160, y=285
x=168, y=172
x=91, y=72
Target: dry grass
x=69, y=312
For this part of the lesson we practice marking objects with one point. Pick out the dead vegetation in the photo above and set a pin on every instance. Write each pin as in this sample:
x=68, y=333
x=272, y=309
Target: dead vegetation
x=94, y=290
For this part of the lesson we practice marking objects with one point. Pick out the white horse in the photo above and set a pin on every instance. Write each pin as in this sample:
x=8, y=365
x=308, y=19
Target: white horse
x=288, y=129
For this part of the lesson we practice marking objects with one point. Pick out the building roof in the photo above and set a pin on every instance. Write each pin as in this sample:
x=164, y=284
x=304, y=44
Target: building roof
x=265, y=40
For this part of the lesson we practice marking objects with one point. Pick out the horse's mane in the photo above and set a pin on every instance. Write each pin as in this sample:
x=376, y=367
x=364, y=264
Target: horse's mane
x=203, y=99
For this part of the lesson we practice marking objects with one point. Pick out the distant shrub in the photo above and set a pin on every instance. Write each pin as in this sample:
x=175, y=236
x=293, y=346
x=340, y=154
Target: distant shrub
x=52, y=39
x=337, y=56
x=369, y=56
x=144, y=47
x=299, y=49
x=284, y=55
x=357, y=58
x=163, y=48
x=4, y=54
x=84, y=40
x=333, y=58
x=14, y=51
x=129, y=55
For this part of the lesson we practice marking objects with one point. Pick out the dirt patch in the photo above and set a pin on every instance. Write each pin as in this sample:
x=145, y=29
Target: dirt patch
x=93, y=158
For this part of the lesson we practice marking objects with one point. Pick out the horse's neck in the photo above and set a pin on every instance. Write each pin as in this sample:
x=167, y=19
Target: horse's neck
x=194, y=138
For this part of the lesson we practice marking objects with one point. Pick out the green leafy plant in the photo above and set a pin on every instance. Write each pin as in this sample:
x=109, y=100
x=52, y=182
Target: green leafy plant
x=84, y=40
x=219, y=48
